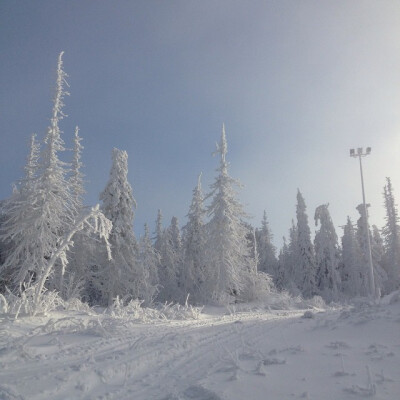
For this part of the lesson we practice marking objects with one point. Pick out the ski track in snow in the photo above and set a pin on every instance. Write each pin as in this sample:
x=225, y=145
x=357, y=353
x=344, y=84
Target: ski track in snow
x=337, y=354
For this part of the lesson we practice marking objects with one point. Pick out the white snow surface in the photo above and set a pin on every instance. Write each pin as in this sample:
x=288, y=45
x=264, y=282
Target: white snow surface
x=343, y=352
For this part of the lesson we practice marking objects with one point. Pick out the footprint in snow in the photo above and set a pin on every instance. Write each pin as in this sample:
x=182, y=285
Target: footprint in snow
x=274, y=361
x=291, y=350
x=199, y=393
x=338, y=345
x=378, y=351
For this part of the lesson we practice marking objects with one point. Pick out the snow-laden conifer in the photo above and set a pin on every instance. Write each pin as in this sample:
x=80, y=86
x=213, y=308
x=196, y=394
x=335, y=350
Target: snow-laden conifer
x=149, y=259
x=78, y=274
x=194, y=238
x=282, y=278
x=19, y=246
x=159, y=231
x=391, y=237
x=56, y=211
x=306, y=266
x=170, y=263
x=380, y=275
x=47, y=209
x=289, y=275
x=124, y=276
x=267, y=261
x=228, y=260
x=327, y=255
x=352, y=272
x=377, y=245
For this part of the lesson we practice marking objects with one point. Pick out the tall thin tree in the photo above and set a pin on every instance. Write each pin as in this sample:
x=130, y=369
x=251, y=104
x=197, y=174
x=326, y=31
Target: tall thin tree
x=124, y=275
x=49, y=207
x=391, y=237
x=266, y=250
x=352, y=272
x=306, y=262
x=228, y=260
x=327, y=255
x=194, y=238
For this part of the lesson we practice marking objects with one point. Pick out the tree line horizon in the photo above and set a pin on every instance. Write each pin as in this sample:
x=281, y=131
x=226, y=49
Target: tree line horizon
x=49, y=241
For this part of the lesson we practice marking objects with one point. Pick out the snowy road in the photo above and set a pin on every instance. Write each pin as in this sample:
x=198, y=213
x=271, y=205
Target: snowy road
x=337, y=354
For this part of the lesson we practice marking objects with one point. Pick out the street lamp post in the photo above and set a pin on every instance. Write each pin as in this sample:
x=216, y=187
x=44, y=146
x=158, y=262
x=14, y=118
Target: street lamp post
x=361, y=154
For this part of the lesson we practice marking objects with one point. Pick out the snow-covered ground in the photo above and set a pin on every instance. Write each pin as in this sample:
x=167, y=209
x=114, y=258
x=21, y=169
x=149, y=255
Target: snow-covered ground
x=337, y=353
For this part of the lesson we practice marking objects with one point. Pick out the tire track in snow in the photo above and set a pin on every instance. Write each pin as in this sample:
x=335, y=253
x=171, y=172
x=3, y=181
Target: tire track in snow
x=185, y=371
x=131, y=361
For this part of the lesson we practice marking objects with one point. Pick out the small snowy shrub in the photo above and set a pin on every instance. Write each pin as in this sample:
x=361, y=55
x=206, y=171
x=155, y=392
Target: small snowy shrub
x=133, y=310
x=3, y=305
x=316, y=302
x=25, y=302
x=76, y=304
x=177, y=311
x=261, y=288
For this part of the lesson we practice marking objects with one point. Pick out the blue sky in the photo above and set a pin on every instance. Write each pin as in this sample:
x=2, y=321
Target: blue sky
x=297, y=84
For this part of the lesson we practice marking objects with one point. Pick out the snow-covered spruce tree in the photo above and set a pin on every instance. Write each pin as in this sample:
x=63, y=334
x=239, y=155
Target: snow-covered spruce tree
x=170, y=268
x=149, y=260
x=380, y=275
x=354, y=281
x=294, y=272
x=158, y=238
x=194, y=238
x=327, y=255
x=49, y=211
x=267, y=261
x=281, y=273
x=124, y=275
x=391, y=237
x=78, y=272
x=288, y=271
x=378, y=248
x=378, y=257
x=19, y=246
x=58, y=209
x=306, y=266
x=230, y=270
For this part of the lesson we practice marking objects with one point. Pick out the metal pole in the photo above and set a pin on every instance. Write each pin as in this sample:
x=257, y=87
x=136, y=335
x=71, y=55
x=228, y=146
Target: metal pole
x=371, y=265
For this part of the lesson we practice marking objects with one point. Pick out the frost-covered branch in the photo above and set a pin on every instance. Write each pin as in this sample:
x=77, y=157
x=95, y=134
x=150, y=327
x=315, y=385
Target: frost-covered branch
x=101, y=226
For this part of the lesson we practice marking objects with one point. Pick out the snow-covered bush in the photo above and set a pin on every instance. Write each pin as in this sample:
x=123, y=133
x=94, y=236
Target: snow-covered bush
x=3, y=305
x=75, y=304
x=133, y=310
x=25, y=303
x=178, y=311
